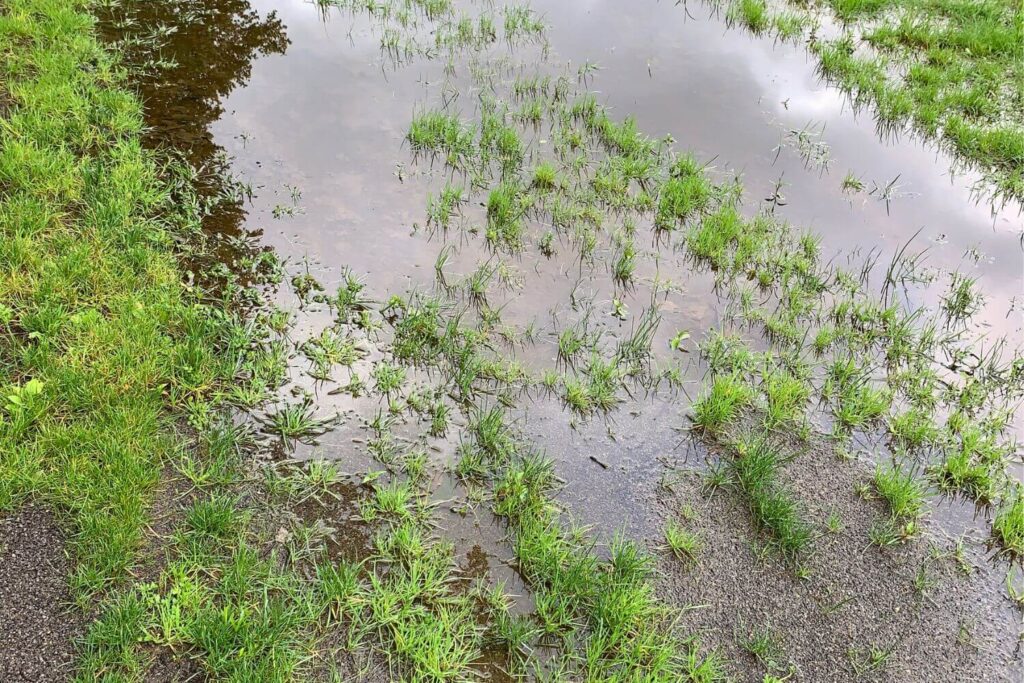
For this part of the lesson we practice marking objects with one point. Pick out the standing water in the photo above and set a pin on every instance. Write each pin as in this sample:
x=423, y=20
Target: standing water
x=310, y=109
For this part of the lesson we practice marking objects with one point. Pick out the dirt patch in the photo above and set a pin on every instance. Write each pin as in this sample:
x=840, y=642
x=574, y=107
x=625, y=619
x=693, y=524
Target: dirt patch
x=920, y=611
x=167, y=668
x=38, y=624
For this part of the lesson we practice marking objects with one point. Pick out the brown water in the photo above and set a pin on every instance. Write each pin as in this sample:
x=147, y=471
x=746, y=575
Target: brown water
x=316, y=121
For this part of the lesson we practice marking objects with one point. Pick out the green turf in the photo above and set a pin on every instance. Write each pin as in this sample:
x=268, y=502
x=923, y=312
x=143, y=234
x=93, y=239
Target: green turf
x=98, y=336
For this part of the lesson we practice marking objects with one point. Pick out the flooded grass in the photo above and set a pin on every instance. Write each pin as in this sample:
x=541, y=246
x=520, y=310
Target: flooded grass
x=562, y=235
x=949, y=70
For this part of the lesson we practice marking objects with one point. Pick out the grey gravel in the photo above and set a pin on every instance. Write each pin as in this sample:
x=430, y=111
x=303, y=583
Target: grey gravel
x=854, y=595
x=38, y=625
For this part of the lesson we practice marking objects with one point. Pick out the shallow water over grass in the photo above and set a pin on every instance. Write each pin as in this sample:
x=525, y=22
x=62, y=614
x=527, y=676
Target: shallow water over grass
x=320, y=135
x=331, y=119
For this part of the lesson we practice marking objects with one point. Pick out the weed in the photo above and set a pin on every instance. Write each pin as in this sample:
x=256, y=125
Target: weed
x=764, y=645
x=625, y=264
x=834, y=523
x=869, y=660
x=328, y=350
x=547, y=244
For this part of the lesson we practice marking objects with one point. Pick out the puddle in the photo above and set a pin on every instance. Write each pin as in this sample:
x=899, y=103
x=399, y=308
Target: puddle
x=351, y=538
x=314, y=120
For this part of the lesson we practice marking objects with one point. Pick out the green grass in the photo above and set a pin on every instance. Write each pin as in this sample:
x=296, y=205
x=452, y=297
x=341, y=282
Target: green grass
x=713, y=238
x=786, y=398
x=388, y=378
x=104, y=348
x=973, y=465
x=684, y=544
x=962, y=300
x=545, y=176
x=755, y=470
x=766, y=647
x=1008, y=524
x=722, y=403
x=948, y=69
x=686, y=193
x=612, y=599
x=751, y=13
x=505, y=209
x=438, y=133
x=99, y=341
x=297, y=421
x=904, y=493
x=328, y=350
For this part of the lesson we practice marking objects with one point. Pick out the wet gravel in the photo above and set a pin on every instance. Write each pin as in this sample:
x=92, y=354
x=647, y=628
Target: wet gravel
x=955, y=625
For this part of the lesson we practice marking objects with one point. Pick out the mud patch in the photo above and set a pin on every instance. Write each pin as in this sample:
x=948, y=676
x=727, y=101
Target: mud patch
x=38, y=626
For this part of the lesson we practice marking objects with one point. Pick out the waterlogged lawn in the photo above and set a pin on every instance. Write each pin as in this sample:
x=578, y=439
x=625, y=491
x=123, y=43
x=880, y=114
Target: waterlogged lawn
x=120, y=381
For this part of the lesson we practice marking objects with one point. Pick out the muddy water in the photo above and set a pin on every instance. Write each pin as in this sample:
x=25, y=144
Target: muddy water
x=316, y=122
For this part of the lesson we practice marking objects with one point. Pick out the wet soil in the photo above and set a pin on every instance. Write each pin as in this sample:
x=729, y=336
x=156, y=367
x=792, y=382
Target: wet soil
x=38, y=623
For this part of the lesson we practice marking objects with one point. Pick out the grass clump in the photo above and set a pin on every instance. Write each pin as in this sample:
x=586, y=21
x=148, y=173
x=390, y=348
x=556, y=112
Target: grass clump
x=715, y=236
x=786, y=397
x=686, y=193
x=545, y=176
x=606, y=606
x=766, y=646
x=723, y=402
x=904, y=493
x=439, y=133
x=756, y=471
x=973, y=465
x=1008, y=524
x=751, y=13
x=505, y=209
x=684, y=544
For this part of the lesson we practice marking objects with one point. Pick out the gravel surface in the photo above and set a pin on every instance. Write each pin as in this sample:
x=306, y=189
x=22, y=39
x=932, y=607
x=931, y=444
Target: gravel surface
x=954, y=625
x=38, y=625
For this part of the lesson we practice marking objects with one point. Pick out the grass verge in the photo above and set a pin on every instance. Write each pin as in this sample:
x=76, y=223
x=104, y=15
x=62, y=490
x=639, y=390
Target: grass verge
x=99, y=339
